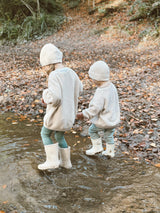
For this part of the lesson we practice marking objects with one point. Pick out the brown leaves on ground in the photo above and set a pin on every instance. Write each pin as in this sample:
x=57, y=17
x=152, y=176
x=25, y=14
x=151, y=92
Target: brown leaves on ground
x=134, y=66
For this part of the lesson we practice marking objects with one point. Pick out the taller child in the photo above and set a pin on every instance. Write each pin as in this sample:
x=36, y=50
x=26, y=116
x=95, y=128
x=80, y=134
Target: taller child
x=61, y=97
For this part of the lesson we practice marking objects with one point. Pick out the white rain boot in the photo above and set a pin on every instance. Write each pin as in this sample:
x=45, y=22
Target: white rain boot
x=65, y=157
x=96, y=147
x=109, y=150
x=52, y=160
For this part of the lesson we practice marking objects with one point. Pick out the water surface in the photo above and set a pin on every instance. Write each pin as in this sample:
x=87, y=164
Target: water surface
x=93, y=185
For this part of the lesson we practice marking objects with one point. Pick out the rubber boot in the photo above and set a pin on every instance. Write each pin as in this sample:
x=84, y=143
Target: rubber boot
x=96, y=147
x=52, y=160
x=65, y=157
x=109, y=150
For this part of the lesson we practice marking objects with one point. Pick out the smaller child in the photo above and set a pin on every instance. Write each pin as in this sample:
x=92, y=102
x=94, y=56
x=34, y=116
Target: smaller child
x=103, y=111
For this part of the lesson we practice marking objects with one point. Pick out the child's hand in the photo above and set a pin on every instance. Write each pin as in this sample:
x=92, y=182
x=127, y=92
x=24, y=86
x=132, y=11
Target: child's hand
x=80, y=116
x=43, y=102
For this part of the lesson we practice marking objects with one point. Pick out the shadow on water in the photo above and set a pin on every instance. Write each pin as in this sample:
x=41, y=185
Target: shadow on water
x=93, y=185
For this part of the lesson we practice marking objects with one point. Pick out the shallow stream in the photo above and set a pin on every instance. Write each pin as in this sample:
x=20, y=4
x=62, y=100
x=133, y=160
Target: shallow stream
x=93, y=185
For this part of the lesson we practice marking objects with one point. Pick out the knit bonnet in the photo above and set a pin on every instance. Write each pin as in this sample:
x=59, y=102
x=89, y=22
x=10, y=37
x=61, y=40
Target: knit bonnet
x=50, y=54
x=99, y=71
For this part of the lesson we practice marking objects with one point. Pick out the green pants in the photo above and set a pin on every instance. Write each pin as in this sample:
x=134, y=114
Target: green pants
x=108, y=133
x=59, y=137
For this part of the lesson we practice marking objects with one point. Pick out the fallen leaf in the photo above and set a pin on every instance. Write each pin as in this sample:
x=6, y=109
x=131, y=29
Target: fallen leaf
x=136, y=159
x=28, y=124
x=4, y=186
x=157, y=165
x=137, y=162
x=126, y=153
x=40, y=110
x=14, y=122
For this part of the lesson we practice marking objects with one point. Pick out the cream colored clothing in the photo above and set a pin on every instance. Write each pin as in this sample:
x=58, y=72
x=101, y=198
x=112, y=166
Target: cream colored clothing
x=104, y=109
x=61, y=98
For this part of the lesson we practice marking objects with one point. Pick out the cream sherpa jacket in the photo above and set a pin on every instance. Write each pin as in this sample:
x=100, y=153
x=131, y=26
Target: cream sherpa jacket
x=61, y=98
x=104, y=109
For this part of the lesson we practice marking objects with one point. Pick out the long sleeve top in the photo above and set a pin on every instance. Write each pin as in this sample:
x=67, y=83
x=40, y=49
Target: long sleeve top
x=104, y=109
x=61, y=97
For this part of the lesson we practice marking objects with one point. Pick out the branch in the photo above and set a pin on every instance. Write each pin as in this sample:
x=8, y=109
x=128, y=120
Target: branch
x=29, y=7
x=38, y=7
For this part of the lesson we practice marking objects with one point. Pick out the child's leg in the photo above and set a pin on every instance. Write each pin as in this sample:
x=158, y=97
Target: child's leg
x=93, y=132
x=64, y=150
x=51, y=150
x=45, y=134
x=59, y=136
x=108, y=136
x=95, y=139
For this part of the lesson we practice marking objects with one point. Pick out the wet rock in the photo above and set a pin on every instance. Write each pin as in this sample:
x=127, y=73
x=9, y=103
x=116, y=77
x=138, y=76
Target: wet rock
x=155, y=150
x=64, y=194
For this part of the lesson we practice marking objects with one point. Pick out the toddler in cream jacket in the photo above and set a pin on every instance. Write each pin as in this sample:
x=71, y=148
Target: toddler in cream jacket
x=103, y=110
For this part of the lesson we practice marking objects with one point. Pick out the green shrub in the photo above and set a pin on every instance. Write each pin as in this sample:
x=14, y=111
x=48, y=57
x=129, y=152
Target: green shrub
x=74, y=3
x=26, y=19
x=44, y=24
x=141, y=9
x=9, y=30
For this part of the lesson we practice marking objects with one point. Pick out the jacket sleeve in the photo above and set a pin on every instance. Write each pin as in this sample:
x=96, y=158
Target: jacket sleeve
x=52, y=95
x=95, y=107
x=81, y=87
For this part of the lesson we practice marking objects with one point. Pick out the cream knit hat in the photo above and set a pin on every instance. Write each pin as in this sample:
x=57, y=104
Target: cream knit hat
x=50, y=54
x=99, y=71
